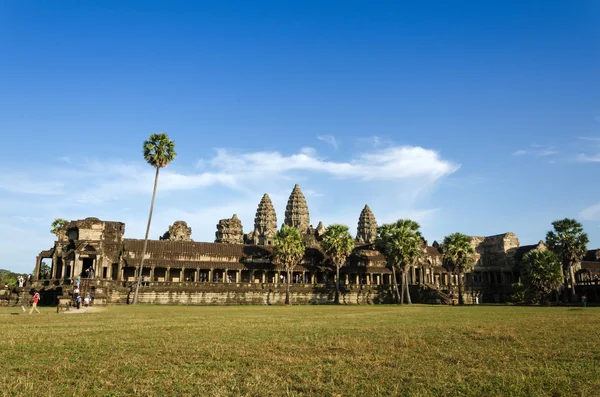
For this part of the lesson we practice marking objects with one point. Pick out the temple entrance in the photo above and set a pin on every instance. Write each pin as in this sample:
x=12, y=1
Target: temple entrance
x=88, y=264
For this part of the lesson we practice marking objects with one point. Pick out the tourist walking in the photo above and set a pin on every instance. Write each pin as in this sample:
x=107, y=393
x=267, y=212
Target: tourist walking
x=35, y=300
x=584, y=301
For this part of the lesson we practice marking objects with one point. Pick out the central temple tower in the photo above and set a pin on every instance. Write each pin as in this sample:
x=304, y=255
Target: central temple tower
x=296, y=211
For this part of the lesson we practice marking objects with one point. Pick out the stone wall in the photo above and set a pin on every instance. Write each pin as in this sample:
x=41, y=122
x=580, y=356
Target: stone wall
x=249, y=294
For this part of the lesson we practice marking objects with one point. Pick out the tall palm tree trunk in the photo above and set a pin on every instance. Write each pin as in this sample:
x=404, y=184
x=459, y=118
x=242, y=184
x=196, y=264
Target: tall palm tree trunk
x=139, y=278
x=398, y=298
x=408, y=300
x=337, y=284
x=572, y=276
x=460, y=297
x=566, y=285
x=287, y=288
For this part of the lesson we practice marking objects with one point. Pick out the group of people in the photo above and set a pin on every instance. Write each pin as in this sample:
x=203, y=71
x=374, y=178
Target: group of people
x=22, y=281
x=86, y=301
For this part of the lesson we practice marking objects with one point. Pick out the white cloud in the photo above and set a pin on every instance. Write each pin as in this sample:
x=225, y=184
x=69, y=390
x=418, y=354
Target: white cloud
x=589, y=138
x=588, y=159
x=397, y=162
x=96, y=182
x=591, y=213
x=330, y=139
x=536, y=150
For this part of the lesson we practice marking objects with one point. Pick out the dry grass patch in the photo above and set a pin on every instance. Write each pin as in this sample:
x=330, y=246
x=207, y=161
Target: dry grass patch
x=303, y=351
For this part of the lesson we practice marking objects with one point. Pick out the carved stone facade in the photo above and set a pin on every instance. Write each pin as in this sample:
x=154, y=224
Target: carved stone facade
x=178, y=231
x=296, y=211
x=265, y=223
x=320, y=231
x=196, y=271
x=366, y=232
x=230, y=231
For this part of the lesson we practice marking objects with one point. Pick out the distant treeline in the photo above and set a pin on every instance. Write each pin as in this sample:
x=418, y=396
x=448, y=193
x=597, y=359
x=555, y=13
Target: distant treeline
x=10, y=278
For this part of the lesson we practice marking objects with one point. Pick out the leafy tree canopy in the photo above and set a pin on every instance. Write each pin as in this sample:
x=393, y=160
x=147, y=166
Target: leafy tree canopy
x=399, y=242
x=542, y=274
x=458, y=254
x=159, y=150
x=57, y=225
x=568, y=241
x=337, y=243
x=288, y=247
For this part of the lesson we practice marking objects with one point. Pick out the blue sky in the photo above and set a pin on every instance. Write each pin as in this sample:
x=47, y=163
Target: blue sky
x=470, y=116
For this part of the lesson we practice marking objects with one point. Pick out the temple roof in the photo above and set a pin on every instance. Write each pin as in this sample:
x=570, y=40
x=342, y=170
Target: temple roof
x=193, y=247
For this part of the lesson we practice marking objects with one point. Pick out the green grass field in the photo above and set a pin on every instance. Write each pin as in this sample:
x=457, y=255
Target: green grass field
x=302, y=350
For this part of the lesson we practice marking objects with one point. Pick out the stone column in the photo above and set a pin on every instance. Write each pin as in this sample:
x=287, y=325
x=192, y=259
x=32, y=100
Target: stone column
x=263, y=277
x=76, y=266
x=53, y=271
x=152, y=274
x=168, y=274
x=210, y=275
x=252, y=275
x=277, y=277
x=38, y=261
x=238, y=276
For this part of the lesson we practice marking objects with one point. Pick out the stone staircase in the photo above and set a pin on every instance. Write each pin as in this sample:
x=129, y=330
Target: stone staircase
x=430, y=295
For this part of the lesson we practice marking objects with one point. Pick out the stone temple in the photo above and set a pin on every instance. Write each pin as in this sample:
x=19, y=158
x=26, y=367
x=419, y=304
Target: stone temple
x=237, y=268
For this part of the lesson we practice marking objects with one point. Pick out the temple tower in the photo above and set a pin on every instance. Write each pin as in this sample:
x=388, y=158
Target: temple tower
x=296, y=211
x=178, y=231
x=230, y=231
x=265, y=222
x=367, y=227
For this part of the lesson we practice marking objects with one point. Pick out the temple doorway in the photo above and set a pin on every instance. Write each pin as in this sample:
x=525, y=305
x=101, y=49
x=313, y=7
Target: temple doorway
x=88, y=263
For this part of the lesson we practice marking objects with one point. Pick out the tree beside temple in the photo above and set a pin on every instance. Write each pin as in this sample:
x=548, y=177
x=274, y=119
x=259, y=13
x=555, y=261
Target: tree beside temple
x=57, y=226
x=288, y=252
x=569, y=242
x=159, y=151
x=542, y=274
x=338, y=244
x=458, y=257
x=400, y=243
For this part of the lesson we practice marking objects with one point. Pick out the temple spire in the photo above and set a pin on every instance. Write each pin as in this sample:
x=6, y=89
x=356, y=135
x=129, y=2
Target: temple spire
x=265, y=222
x=367, y=226
x=296, y=211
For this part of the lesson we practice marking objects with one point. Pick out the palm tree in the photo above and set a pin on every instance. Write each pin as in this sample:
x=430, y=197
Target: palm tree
x=458, y=256
x=400, y=243
x=288, y=252
x=569, y=242
x=338, y=244
x=159, y=151
x=57, y=226
x=542, y=274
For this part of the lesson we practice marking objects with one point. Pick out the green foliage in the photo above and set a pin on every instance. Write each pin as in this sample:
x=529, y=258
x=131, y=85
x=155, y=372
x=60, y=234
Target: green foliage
x=338, y=243
x=542, y=274
x=159, y=150
x=568, y=241
x=57, y=225
x=8, y=277
x=458, y=254
x=518, y=293
x=288, y=247
x=44, y=269
x=400, y=243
